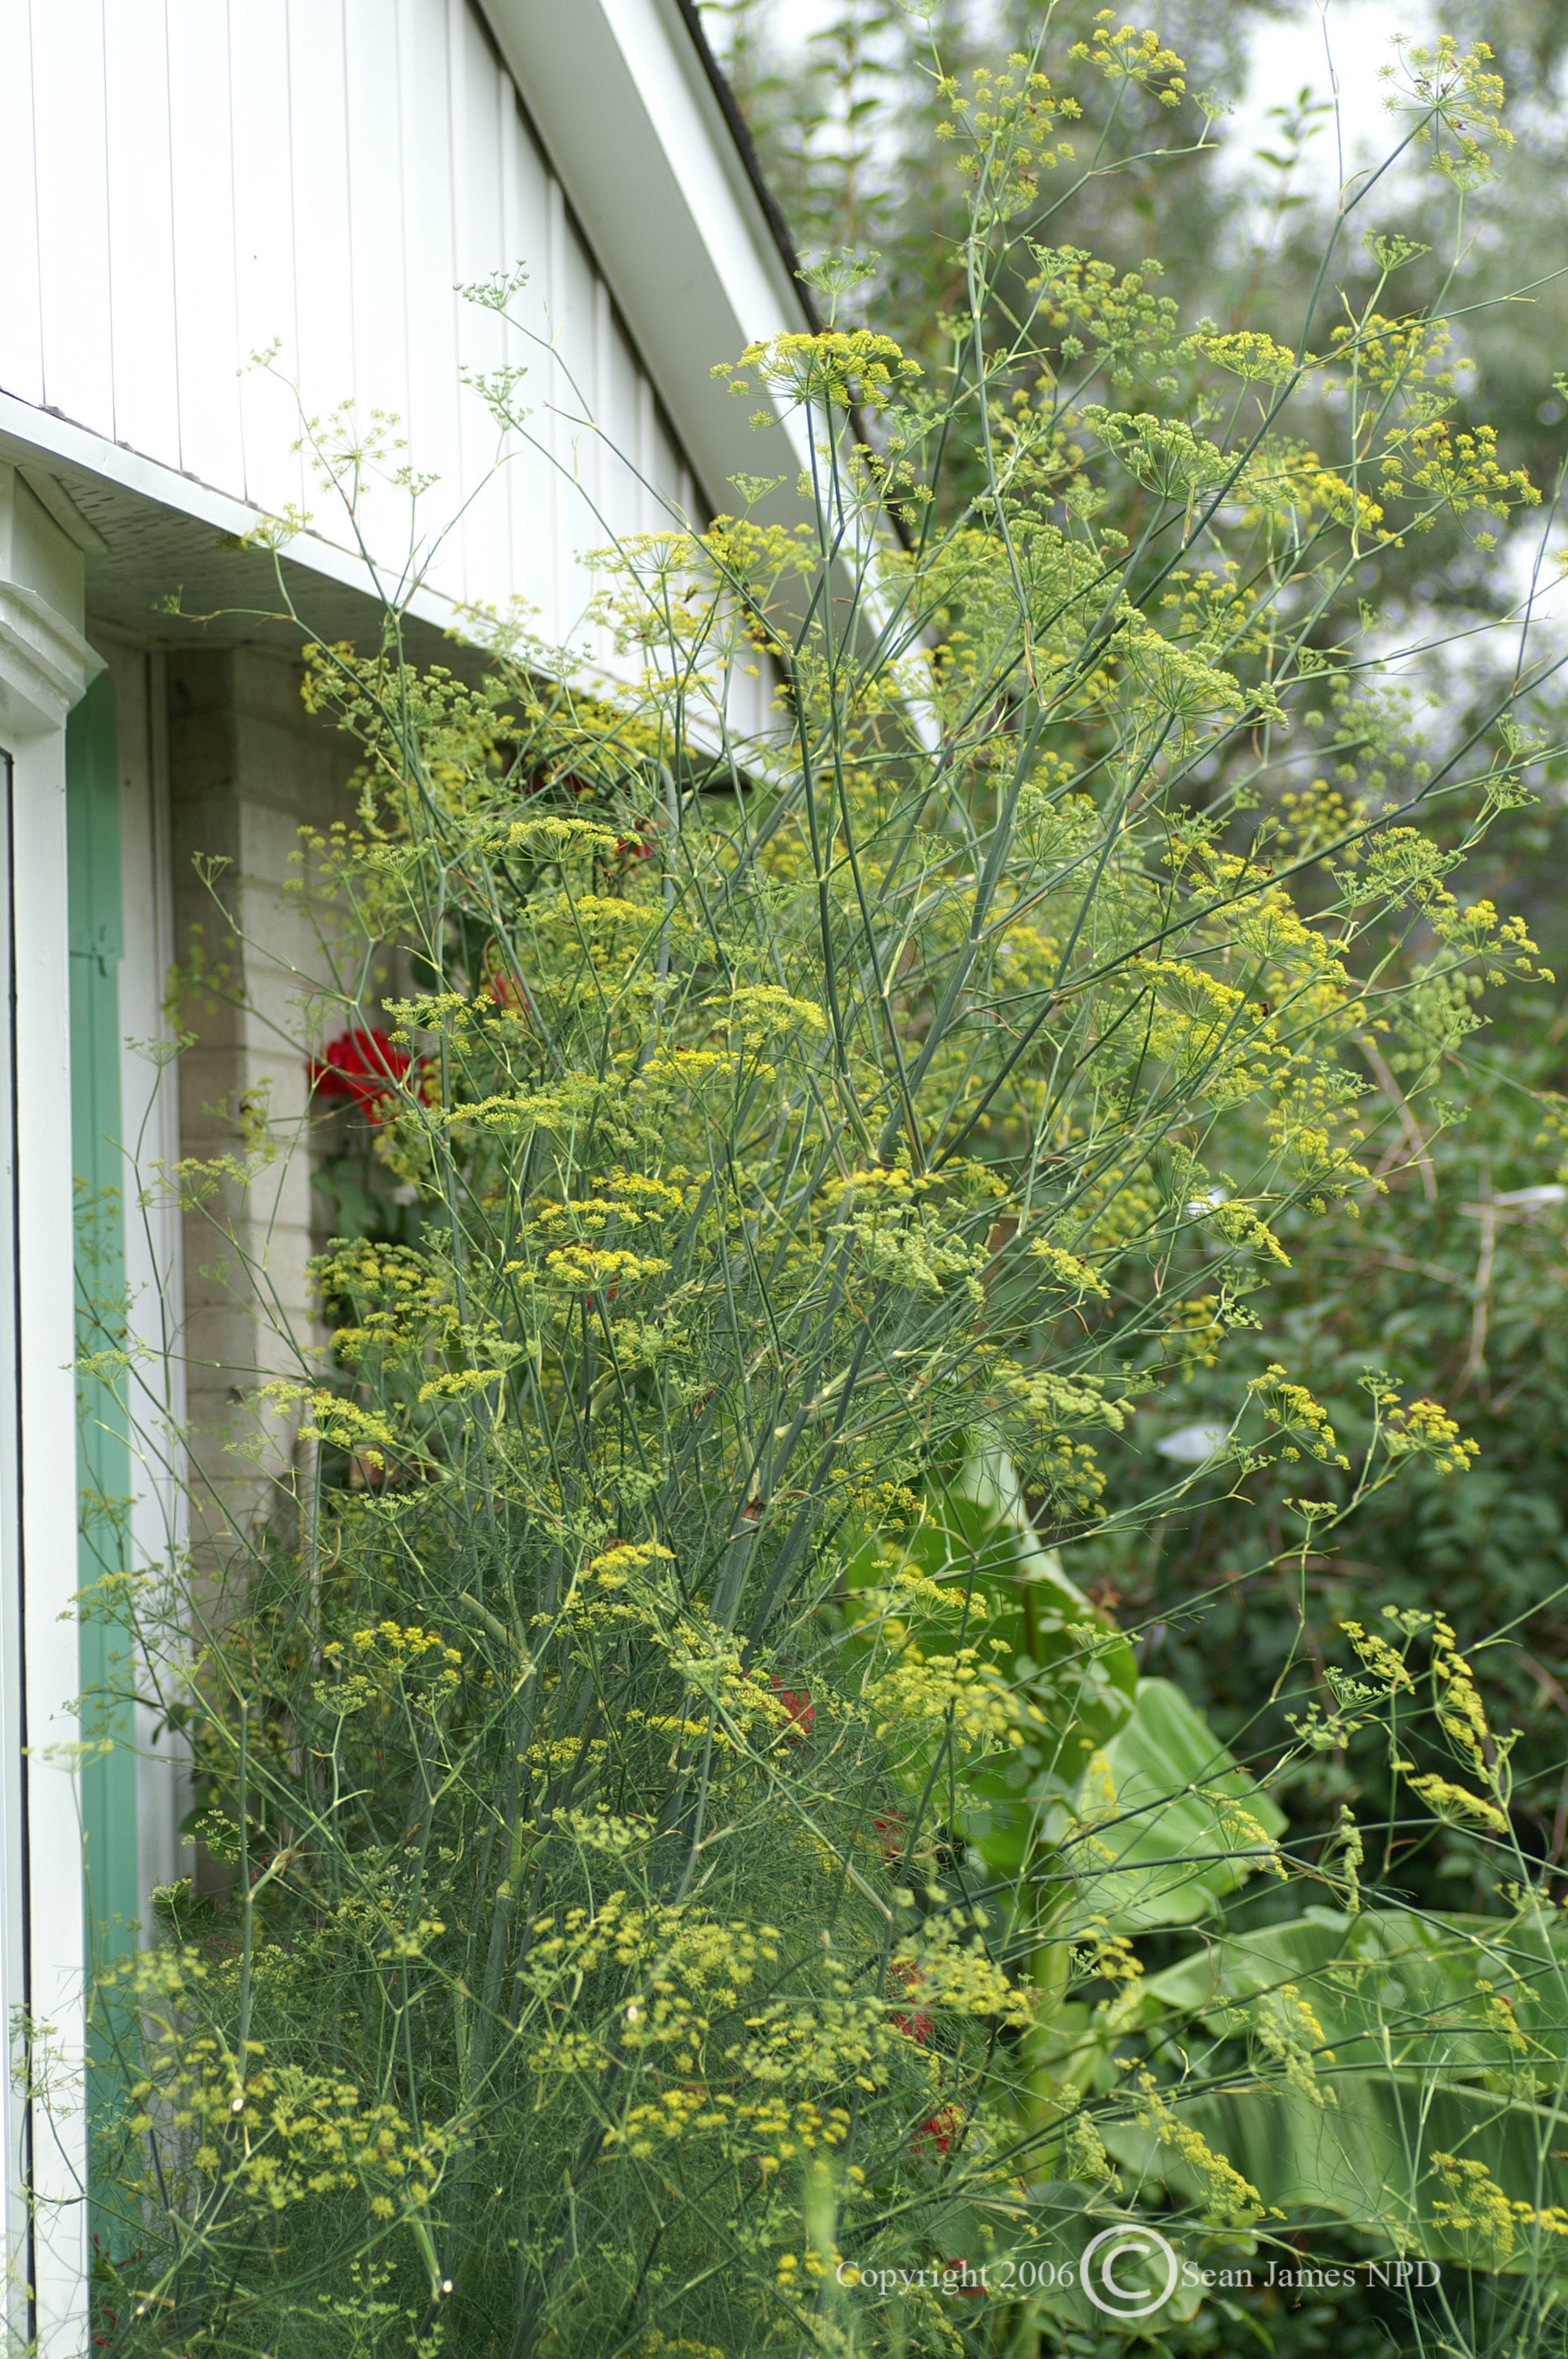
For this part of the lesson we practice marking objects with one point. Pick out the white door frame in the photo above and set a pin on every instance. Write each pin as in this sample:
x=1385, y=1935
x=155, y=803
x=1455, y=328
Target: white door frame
x=45, y=666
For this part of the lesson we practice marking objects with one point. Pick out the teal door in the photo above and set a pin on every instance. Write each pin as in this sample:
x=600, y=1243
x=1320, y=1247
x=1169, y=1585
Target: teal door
x=104, y=1454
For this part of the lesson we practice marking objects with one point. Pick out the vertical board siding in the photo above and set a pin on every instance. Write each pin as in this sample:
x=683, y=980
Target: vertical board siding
x=578, y=454
x=69, y=160
x=479, y=216
x=198, y=181
x=324, y=356
x=141, y=222
x=202, y=156
x=377, y=283
x=21, y=322
x=263, y=253
x=531, y=476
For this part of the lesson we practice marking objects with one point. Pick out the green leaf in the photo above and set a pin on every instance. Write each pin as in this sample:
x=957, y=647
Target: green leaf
x=998, y=1588
x=1171, y=1822
x=1440, y=2035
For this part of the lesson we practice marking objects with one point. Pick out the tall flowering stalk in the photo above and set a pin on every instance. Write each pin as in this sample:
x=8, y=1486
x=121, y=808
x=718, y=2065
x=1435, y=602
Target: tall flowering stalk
x=689, y=1836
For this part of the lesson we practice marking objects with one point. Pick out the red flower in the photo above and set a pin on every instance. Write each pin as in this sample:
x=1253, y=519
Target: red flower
x=888, y=1825
x=941, y=2130
x=800, y=1708
x=905, y=1980
x=361, y=1065
x=504, y=990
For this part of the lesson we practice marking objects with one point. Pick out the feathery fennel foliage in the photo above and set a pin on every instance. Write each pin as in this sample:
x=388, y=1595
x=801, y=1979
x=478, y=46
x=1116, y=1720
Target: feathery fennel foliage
x=700, y=1864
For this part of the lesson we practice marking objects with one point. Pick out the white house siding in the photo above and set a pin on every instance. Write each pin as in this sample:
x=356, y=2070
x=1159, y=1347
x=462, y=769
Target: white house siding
x=191, y=182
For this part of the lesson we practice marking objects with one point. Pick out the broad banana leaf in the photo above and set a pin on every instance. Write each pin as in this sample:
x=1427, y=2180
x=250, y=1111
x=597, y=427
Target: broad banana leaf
x=1120, y=1790
x=1358, y=2049
x=989, y=1588
x=1406, y=2037
x=1170, y=1823
x=1395, y=1989
x=1367, y=2161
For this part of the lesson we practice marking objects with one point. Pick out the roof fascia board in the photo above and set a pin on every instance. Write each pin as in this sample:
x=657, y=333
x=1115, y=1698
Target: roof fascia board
x=741, y=144
x=624, y=105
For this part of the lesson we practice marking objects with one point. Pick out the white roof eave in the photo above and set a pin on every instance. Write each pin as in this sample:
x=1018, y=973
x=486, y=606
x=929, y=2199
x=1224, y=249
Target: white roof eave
x=28, y=435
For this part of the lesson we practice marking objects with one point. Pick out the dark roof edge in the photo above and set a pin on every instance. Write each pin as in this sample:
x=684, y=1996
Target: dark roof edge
x=746, y=149
x=772, y=212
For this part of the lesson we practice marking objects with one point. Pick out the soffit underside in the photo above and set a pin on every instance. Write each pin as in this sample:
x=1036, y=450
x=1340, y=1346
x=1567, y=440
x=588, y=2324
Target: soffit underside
x=227, y=596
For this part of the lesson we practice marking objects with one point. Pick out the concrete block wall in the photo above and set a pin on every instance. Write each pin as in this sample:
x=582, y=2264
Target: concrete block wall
x=248, y=768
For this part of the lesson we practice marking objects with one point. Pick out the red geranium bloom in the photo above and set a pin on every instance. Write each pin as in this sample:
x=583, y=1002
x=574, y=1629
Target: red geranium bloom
x=905, y=1980
x=800, y=1708
x=941, y=2130
x=888, y=1824
x=361, y=1065
x=502, y=989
